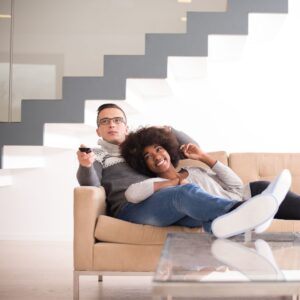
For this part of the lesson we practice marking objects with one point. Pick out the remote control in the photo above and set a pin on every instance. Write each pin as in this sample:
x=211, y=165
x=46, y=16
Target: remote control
x=85, y=149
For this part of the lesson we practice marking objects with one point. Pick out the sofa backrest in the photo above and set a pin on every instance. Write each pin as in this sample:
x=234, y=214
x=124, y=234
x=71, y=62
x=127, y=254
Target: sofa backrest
x=265, y=166
x=256, y=166
x=219, y=155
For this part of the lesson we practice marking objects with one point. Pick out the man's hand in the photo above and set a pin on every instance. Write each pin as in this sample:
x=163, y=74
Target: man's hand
x=85, y=159
x=192, y=151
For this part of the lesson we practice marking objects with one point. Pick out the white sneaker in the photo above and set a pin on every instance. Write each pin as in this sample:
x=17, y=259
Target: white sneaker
x=278, y=188
x=252, y=213
x=243, y=259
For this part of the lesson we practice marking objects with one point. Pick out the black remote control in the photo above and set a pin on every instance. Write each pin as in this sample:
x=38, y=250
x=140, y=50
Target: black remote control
x=85, y=149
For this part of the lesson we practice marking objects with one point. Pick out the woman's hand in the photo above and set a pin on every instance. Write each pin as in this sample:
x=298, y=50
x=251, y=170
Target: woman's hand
x=168, y=183
x=194, y=152
x=183, y=181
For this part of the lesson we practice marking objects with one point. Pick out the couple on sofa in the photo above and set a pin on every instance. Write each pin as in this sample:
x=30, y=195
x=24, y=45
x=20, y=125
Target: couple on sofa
x=136, y=189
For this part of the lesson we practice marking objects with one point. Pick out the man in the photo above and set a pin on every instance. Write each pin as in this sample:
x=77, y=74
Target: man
x=105, y=166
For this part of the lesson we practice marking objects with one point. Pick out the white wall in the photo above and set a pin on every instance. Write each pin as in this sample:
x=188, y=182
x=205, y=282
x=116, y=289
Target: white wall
x=241, y=102
x=38, y=205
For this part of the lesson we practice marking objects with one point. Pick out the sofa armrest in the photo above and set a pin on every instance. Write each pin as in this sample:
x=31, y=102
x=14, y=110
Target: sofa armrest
x=89, y=203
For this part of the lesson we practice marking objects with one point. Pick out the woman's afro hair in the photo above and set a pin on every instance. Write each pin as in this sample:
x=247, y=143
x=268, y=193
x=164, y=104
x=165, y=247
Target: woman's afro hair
x=132, y=149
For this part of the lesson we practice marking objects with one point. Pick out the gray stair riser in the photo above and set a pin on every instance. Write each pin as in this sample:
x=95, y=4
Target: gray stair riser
x=161, y=45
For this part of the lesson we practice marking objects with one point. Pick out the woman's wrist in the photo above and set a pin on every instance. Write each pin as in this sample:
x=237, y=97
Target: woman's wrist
x=208, y=160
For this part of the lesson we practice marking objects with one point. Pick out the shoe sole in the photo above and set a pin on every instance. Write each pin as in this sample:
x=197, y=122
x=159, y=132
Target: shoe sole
x=247, y=216
x=280, y=186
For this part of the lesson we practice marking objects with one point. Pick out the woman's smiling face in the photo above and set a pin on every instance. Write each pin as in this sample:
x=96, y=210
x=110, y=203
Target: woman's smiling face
x=157, y=159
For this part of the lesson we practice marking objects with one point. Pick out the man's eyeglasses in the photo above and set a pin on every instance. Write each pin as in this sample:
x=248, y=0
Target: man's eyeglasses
x=116, y=120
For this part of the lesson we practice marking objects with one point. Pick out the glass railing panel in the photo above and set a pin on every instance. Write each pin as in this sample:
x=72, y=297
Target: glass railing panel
x=5, y=29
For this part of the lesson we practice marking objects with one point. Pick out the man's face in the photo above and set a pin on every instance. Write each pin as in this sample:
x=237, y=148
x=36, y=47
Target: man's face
x=112, y=126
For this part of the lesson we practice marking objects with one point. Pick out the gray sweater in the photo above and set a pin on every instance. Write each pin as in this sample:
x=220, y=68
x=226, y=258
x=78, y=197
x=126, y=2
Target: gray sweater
x=112, y=172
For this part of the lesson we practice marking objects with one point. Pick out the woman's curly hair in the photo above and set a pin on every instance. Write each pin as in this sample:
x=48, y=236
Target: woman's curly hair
x=132, y=148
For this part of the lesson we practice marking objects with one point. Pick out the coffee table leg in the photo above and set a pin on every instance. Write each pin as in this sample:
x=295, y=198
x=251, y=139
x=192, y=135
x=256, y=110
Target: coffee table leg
x=248, y=236
x=169, y=297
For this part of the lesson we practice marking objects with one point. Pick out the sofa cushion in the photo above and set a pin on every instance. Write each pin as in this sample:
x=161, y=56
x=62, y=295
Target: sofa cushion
x=113, y=230
x=125, y=258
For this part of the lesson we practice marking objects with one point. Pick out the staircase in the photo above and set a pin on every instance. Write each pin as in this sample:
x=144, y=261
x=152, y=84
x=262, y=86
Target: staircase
x=118, y=68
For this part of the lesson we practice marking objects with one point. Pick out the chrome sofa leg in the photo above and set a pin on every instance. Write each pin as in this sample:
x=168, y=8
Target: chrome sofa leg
x=75, y=285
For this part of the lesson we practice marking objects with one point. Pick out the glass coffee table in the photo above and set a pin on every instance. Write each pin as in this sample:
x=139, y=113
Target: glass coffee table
x=199, y=265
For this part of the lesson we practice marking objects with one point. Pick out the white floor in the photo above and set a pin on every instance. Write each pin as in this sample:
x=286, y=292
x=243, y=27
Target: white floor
x=43, y=270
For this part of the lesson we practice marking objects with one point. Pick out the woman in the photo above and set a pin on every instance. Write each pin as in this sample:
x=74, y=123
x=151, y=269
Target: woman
x=154, y=152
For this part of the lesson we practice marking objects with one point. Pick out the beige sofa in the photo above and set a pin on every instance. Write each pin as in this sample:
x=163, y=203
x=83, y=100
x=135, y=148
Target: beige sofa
x=107, y=246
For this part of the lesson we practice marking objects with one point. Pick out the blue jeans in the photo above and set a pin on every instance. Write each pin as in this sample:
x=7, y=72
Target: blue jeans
x=184, y=205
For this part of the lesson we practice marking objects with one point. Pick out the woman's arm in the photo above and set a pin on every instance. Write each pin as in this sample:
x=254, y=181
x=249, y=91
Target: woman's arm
x=223, y=174
x=140, y=191
x=226, y=176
